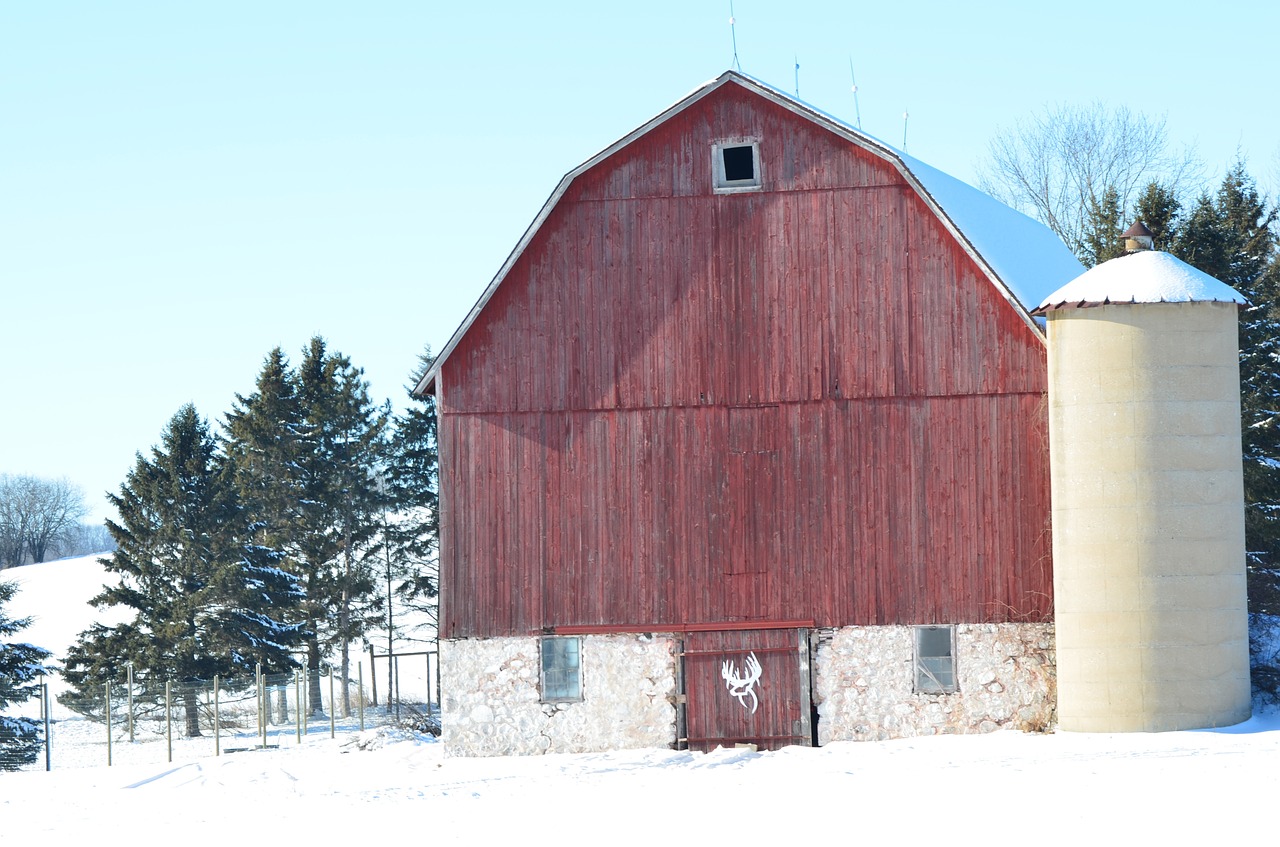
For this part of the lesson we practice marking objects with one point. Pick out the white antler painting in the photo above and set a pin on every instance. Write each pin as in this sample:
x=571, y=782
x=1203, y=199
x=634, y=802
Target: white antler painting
x=743, y=687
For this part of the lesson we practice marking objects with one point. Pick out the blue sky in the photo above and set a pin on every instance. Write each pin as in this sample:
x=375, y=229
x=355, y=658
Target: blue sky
x=184, y=186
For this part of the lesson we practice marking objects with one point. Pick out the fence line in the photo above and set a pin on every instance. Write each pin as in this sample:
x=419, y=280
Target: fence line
x=151, y=720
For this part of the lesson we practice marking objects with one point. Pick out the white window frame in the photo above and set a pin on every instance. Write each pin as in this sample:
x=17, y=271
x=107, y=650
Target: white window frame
x=565, y=674
x=724, y=185
x=934, y=674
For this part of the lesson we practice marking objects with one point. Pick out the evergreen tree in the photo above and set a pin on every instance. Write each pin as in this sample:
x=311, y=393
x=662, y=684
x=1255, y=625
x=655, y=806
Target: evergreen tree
x=1158, y=207
x=204, y=594
x=413, y=532
x=20, y=667
x=344, y=434
x=262, y=439
x=308, y=444
x=1101, y=235
x=1231, y=236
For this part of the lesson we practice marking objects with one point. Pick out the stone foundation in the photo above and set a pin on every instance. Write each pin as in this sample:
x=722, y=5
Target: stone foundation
x=492, y=706
x=863, y=689
x=864, y=683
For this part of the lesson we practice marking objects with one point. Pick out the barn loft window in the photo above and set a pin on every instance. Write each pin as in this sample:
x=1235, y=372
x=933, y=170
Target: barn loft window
x=561, y=670
x=736, y=165
x=935, y=659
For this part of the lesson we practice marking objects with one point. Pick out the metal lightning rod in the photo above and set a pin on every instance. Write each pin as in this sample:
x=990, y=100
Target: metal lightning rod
x=854, y=80
x=733, y=33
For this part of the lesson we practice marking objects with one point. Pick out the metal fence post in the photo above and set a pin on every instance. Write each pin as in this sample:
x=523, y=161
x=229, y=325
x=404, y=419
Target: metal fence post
x=297, y=688
x=130, y=700
x=217, y=722
x=257, y=701
x=168, y=718
x=106, y=687
x=44, y=707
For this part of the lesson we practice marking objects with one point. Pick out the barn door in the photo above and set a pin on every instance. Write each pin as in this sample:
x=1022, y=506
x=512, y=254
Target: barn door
x=747, y=686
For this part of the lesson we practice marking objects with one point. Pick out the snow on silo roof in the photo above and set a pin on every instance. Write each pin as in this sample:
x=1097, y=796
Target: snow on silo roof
x=1147, y=276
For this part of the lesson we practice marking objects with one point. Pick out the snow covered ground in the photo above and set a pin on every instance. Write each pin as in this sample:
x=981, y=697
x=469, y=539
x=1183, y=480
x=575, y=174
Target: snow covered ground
x=1181, y=787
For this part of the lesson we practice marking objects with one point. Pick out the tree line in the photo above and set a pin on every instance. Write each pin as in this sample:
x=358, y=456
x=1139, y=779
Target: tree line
x=40, y=519
x=258, y=545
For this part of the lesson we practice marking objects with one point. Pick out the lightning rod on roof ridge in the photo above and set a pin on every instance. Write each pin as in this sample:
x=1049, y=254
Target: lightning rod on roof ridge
x=905, y=115
x=733, y=33
x=797, y=58
x=857, y=113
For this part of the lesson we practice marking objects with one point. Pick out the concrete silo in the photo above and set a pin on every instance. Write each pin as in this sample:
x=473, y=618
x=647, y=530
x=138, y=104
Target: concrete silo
x=1148, y=504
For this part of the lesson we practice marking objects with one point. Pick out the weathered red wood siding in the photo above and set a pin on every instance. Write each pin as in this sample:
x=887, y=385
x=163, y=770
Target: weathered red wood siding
x=801, y=403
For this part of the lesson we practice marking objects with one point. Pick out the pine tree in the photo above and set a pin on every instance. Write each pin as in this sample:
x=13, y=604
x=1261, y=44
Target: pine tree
x=204, y=594
x=1158, y=207
x=20, y=667
x=1101, y=235
x=262, y=438
x=309, y=443
x=412, y=535
x=1231, y=236
x=343, y=506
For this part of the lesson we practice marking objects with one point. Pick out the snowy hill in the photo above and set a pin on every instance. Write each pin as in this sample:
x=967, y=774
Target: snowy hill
x=1176, y=787
x=55, y=595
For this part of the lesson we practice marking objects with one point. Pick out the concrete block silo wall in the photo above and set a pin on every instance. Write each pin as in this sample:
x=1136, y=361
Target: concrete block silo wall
x=1148, y=517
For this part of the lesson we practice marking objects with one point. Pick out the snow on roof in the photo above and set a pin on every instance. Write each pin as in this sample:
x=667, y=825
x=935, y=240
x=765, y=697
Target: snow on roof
x=1147, y=276
x=1029, y=259
x=1027, y=256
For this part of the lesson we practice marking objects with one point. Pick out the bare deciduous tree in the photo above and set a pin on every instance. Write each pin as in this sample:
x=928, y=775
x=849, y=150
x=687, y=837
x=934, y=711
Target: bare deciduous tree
x=34, y=515
x=1058, y=164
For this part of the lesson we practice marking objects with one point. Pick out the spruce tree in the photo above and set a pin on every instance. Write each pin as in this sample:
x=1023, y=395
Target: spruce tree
x=344, y=443
x=1101, y=234
x=20, y=668
x=262, y=439
x=412, y=535
x=1230, y=235
x=1158, y=207
x=204, y=595
x=308, y=445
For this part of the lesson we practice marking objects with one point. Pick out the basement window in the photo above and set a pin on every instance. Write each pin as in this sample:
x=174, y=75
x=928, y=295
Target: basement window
x=561, y=670
x=735, y=165
x=935, y=659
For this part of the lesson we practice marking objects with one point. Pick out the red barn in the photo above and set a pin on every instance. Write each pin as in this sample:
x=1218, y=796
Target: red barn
x=746, y=442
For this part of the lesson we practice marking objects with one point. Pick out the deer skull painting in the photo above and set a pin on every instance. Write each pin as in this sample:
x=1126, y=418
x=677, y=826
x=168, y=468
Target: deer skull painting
x=743, y=687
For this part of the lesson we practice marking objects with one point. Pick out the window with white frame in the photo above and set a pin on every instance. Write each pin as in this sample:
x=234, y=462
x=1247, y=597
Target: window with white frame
x=735, y=165
x=561, y=669
x=935, y=663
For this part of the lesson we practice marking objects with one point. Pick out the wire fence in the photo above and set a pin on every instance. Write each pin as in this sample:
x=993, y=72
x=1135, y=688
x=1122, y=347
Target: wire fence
x=153, y=721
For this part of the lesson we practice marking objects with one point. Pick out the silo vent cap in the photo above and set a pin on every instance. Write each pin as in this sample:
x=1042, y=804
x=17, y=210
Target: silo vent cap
x=1138, y=237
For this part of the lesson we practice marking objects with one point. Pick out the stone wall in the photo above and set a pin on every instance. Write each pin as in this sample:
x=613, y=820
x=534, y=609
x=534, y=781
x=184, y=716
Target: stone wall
x=492, y=707
x=864, y=683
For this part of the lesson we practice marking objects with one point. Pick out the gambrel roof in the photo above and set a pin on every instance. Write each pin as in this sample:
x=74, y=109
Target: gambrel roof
x=1021, y=257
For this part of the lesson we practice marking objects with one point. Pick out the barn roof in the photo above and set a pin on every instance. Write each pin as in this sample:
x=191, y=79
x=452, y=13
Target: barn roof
x=1021, y=256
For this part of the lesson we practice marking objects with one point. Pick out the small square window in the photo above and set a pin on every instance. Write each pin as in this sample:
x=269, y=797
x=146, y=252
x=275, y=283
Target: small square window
x=561, y=670
x=736, y=165
x=935, y=660
x=739, y=164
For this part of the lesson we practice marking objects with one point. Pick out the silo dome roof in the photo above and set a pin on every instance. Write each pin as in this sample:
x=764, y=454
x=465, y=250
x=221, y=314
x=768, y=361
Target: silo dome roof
x=1147, y=276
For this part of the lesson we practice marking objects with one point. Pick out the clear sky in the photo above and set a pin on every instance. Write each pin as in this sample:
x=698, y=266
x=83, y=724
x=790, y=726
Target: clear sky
x=184, y=186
